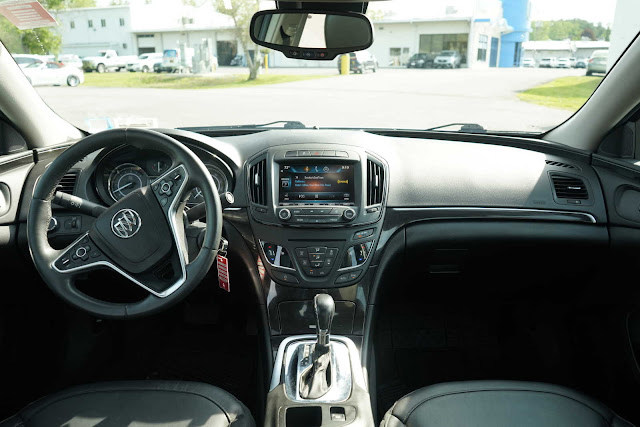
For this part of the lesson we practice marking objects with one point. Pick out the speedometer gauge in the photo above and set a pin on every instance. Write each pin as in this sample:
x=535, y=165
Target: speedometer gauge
x=125, y=179
x=219, y=178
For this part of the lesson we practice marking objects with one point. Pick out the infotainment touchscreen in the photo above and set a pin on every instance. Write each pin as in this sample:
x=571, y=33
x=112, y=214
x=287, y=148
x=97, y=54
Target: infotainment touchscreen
x=316, y=183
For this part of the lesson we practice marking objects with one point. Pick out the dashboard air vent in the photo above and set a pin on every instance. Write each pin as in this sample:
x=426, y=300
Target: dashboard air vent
x=375, y=182
x=559, y=164
x=68, y=182
x=569, y=187
x=258, y=184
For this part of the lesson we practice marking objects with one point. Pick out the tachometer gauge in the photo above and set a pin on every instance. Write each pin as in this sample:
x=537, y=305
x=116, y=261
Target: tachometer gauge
x=220, y=180
x=126, y=178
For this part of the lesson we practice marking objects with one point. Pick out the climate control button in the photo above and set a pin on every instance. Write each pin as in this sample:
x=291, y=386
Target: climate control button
x=349, y=214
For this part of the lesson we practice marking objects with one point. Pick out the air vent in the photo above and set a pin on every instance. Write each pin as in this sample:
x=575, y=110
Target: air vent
x=559, y=164
x=569, y=187
x=258, y=184
x=68, y=182
x=375, y=182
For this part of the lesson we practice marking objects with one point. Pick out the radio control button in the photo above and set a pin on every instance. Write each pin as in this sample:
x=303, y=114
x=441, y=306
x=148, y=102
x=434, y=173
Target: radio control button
x=284, y=214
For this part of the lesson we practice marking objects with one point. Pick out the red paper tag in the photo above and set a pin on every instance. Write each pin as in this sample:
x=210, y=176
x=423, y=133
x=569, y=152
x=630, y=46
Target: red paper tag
x=223, y=273
x=27, y=14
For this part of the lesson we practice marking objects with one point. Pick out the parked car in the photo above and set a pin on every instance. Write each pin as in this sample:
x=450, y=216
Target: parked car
x=176, y=61
x=549, y=62
x=361, y=61
x=24, y=60
x=528, y=63
x=145, y=62
x=598, y=62
x=237, y=61
x=563, y=63
x=448, y=59
x=53, y=73
x=105, y=61
x=421, y=60
x=581, y=63
x=70, y=60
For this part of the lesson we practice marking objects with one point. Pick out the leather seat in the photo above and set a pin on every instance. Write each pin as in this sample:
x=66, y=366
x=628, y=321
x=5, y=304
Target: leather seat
x=497, y=404
x=128, y=403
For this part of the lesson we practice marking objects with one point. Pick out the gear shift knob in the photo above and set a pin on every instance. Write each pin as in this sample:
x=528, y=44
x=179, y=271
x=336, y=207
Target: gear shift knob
x=325, y=309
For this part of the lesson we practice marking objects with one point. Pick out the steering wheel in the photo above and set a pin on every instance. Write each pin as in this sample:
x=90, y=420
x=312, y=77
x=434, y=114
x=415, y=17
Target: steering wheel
x=141, y=236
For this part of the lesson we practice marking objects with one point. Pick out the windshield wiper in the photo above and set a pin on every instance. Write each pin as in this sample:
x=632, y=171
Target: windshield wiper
x=464, y=127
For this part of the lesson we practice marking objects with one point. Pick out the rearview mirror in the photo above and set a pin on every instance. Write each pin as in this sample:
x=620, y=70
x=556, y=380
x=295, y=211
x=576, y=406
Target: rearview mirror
x=311, y=34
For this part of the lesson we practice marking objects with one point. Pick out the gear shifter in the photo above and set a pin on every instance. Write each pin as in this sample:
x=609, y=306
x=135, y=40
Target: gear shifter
x=315, y=380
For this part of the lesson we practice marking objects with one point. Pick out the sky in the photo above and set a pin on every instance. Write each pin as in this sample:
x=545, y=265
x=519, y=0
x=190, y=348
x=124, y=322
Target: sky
x=541, y=10
x=590, y=10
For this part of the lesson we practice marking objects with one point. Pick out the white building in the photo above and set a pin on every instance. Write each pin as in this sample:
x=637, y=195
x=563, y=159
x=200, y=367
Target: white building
x=89, y=30
x=472, y=28
x=146, y=26
x=625, y=28
x=562, y=48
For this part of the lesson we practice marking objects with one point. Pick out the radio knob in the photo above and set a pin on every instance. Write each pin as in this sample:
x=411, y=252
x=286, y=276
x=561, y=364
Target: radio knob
x=284, y=214
x=349, y=214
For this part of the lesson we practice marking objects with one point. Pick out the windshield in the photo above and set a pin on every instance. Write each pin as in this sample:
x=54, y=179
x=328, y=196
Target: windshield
x=504, y=65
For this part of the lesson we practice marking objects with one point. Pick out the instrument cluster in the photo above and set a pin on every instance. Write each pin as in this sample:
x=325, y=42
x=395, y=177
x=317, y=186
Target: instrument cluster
x=126, y=169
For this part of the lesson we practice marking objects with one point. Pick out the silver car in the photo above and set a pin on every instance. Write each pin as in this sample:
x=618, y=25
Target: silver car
x=598, y=62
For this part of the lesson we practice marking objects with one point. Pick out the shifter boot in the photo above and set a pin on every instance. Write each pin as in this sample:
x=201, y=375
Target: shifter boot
x=315, y=381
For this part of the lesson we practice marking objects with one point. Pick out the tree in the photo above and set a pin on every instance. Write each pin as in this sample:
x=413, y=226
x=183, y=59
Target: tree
x=241, y=12
x=41, y=41
x=574, y=29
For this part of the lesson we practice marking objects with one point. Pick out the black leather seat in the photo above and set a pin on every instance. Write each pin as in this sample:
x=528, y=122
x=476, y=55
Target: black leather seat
x=497, y=404
x=156, y=403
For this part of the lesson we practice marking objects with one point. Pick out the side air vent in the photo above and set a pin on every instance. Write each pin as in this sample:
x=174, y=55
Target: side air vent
x=68, y=182
x=559, y=164
x=258, y=183
x=569, y=187
x=375, y=182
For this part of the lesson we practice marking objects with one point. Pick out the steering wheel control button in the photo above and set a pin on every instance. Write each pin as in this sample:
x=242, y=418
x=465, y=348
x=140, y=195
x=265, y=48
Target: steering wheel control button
x=78, y=255
x=53, y=224
x=284, y=277
x=81, y=252
x=165, y=187
x=284, y=214
x=348, y=277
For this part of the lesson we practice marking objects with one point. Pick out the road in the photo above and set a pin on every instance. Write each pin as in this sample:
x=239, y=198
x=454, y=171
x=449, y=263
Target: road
x=398, y=98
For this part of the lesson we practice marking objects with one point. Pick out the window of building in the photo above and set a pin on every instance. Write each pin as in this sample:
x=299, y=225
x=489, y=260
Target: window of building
x=483, y=46
x=72, y=24
x=436, y=43
x=90, y=23
x=103, y=23
x=122, y=22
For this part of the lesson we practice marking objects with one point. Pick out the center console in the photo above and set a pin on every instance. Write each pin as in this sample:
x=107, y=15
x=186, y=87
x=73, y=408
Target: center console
x=318, y=381
x=316, y=214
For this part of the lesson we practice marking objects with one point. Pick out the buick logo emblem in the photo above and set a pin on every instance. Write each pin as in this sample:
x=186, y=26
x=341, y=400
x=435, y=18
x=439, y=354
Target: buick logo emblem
x=125, y=223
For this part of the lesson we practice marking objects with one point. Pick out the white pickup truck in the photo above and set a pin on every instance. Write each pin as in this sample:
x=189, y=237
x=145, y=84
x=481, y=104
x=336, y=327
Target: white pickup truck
x=107, y=60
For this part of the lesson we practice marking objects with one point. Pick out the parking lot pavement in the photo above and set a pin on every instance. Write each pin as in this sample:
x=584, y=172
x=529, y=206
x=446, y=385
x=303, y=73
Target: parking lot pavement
x=399, y=98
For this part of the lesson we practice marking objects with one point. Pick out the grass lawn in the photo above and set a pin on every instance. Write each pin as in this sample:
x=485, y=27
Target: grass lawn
x=569, y=93
x=186, y=81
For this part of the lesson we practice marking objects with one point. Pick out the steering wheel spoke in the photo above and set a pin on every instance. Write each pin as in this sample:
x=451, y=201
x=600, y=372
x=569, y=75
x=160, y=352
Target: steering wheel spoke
x=81, y=255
